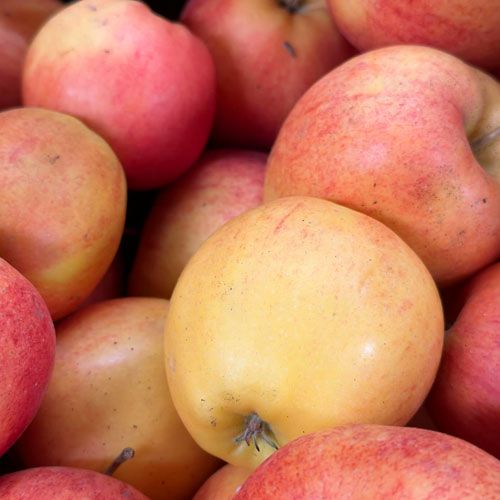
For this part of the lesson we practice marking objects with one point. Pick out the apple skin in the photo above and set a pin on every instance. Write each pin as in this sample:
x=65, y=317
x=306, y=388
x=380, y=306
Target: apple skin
x=27, y=347
x=376, y=462
x=19, y=21
x=223, y=484
x=306, y=313
x=156, y=104
x=109, y=368
x=223, y=184
x=266, y=57
x=63, y=205
x=64, y=483
x=387, y=133
x=468, y=29
x=465, y=398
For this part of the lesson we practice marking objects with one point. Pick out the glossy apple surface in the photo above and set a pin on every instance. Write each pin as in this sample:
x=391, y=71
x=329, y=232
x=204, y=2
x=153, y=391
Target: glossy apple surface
x=375, y=462
x=146, y=84
x=223, y=184
x=223, y=484
x=63, y=204
x=64, y=483
x=267, y=53
x=466, y=28
x=393, y=133
x=465, y=398
x=19, y=21
x=27, y=346
x=295, y=316
x=108, y=392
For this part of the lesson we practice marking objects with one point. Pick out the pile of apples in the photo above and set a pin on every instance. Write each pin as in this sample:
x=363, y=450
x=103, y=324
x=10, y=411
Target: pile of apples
x=250, y=251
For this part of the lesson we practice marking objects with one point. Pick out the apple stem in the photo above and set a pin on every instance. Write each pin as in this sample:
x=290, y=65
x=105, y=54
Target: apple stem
x=126, y=454
x=486, y=140
x=255, y=429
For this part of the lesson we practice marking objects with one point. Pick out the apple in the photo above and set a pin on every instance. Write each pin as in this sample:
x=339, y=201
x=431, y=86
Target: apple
x=19, y=21
x=63, y=195
x=266, y=54
x=223, y=484
x=222, y=185
x=410, y=136
x=295, y=316
x=465, y=398
x=466, y=28
x=147, y=85
x=27, y=345
x=109, y=391
x=64, y=483
x=375, y=461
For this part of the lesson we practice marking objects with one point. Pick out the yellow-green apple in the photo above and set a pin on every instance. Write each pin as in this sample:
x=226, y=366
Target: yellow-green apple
x=295, y=316
x=465, y=398
x=146, y=84
x=27, y=345
x=405, y=134
x=266, y=53
x=109, y=391
x=223, y=484
x=466, y=28
x=62, y=213
x=64, y=483
x=376, y=462
x=222, y=185
x=19, y=21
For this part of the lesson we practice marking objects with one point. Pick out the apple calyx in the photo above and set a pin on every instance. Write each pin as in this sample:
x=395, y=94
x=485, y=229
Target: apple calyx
x=125, y=454
x=486, y=140
x=255, y=429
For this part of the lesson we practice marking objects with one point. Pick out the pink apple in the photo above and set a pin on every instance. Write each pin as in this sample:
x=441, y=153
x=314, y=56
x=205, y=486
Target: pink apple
x=223, y=484
x=466, y=28
x=64, y=483
x=222, y=185
x=400, y=134
x=145, y=84
x=109, y=391
x=27, y=345
x=375, y=462
x=267, y=53
x=63, y=204
x=465, y=399
x=19, y=21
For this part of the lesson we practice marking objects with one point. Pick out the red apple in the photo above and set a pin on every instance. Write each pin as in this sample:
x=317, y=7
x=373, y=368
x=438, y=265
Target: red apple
x=405, y=134
x=465, y=399
x=27, y=344
x=108, y=392
x=64, y=483
x=19, y=21
x=223, y=484
x=222, y=185
x=267, y=54
x=466, y=28
x=147, y=85
x=375, y=462
x=63, y=204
